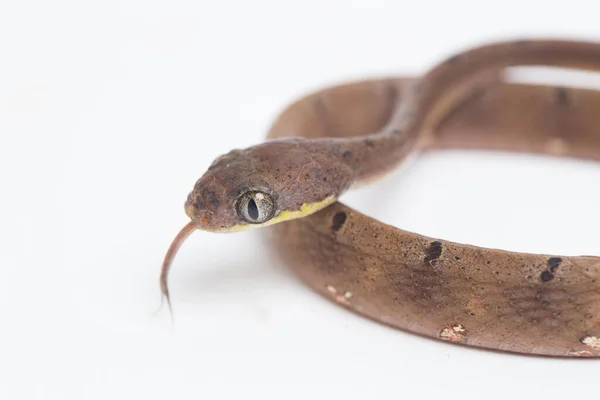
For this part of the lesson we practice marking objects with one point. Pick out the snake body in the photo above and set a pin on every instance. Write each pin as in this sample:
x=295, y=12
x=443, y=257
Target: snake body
x=329, y=141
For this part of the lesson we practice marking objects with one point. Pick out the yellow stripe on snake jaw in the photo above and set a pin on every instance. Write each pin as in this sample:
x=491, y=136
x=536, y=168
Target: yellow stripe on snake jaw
x=305, y=210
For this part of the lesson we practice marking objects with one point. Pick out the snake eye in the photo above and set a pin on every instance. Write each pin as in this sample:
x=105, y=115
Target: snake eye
x=255, y=207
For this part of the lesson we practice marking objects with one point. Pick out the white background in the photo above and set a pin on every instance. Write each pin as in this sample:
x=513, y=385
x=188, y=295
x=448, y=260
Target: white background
x=109, y=112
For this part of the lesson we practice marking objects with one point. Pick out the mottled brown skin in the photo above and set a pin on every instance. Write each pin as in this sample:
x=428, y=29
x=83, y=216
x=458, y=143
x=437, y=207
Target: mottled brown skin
x=524, y=303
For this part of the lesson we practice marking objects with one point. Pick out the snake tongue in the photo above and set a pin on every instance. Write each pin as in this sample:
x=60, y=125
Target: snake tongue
x=170, y=256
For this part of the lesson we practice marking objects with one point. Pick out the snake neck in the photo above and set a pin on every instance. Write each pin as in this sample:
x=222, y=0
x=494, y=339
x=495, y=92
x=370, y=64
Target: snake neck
x=429, y=100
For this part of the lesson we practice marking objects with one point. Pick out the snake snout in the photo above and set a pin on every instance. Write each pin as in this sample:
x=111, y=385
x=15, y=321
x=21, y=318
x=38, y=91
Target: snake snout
x=189, y=205
x=197, y=212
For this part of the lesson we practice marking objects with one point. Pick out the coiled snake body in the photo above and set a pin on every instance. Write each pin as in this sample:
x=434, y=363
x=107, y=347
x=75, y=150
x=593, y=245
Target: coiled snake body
x=327, y=142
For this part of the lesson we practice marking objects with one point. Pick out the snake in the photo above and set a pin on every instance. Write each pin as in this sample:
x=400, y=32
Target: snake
x=348, y=135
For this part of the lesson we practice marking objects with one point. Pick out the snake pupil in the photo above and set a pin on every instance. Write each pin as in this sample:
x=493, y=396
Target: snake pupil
x=255, y=207
x=252, y=209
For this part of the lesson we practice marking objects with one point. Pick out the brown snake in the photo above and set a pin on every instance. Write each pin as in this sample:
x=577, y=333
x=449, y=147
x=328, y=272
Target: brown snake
x=326, y=142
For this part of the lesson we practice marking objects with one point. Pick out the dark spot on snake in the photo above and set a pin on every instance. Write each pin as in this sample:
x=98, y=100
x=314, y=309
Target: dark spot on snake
x=347, y=154
x=488, y=262
x=547, y=276
x=212, y=199
x=369, y=143
x=338, y=221
x=325, y=179
x=561, y=97
x=434, y=251
x=554, y=263
x=456, y=258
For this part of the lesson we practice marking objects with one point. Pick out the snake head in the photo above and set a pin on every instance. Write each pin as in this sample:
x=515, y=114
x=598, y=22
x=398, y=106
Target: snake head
x=268, y=183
